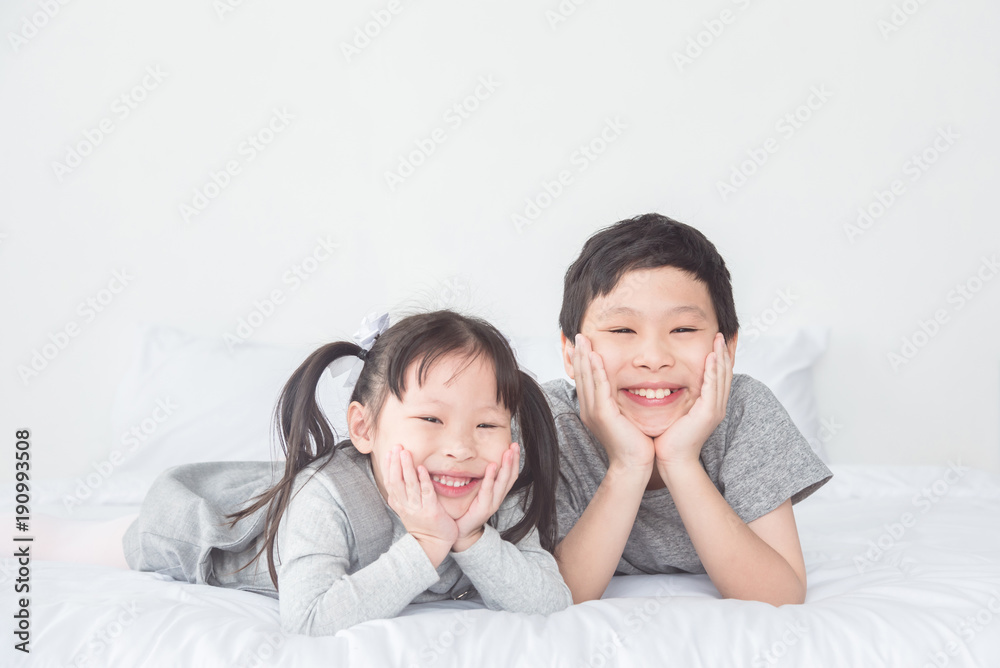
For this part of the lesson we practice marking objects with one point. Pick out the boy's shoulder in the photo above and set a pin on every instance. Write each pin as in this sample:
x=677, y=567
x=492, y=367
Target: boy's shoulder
x=561, y=395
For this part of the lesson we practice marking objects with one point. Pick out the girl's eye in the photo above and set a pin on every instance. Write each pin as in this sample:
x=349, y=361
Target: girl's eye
x=488, y=426
x=428, y=418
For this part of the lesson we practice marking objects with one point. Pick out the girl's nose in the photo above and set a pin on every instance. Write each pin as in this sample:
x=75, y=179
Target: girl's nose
x=459, y=446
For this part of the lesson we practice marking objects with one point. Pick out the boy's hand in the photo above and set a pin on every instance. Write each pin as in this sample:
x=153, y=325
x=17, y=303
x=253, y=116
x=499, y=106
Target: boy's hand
x=412, y=496
x=624, y=442
x=492, y=491
x=683, y=440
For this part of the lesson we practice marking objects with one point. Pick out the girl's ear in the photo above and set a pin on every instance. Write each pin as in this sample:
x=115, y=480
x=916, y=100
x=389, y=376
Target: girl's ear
x=359, y=428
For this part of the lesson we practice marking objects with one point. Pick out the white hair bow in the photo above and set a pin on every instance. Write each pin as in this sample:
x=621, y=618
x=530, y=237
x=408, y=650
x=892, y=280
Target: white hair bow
x=372, y=326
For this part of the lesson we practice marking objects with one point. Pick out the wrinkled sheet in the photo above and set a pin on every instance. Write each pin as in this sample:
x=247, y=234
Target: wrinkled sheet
x=903, y=564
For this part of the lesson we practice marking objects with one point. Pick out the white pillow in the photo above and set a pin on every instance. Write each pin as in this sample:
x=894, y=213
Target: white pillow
x=188, y=399
x=784, y=362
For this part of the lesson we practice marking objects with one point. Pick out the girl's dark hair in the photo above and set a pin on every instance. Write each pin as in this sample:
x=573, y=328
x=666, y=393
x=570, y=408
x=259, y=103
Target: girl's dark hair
x=306, y=436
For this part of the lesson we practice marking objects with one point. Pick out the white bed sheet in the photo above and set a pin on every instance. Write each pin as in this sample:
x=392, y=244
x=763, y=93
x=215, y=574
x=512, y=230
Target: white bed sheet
x=927, y=593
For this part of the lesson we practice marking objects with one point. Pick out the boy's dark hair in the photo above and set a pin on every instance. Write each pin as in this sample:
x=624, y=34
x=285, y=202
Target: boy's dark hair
x=645, y=242
x=424, y=339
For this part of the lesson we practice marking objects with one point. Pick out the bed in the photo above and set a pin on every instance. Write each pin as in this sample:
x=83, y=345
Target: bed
x=903, y=562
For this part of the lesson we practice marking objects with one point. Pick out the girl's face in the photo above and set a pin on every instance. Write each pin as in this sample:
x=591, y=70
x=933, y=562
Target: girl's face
x=453, y=425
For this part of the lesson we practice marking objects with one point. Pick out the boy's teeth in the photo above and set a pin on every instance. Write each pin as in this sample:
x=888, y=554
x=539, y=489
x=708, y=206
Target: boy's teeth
x=451, y=482
x=652, y=394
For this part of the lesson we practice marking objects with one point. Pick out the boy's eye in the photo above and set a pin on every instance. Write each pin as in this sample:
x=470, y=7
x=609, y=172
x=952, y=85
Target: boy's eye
x=622, y=330
x=685, y=329
x=429, y=418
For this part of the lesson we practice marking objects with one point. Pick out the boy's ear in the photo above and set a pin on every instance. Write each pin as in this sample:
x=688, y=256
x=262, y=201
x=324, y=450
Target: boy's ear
x=731, y=344
x=567, y=354
x=359, y=429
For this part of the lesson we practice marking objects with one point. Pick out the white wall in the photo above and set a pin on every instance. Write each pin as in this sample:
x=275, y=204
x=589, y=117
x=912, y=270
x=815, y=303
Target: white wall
x=682, y=128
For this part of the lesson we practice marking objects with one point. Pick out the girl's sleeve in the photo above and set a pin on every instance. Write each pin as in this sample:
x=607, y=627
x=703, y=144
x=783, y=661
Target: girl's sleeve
x=316, y=594
x=520, y=577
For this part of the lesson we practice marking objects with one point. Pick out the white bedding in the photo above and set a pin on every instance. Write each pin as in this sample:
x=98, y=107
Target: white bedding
x=926, y=594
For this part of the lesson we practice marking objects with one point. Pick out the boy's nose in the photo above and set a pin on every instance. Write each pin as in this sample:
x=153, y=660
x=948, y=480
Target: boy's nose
x=654, y=354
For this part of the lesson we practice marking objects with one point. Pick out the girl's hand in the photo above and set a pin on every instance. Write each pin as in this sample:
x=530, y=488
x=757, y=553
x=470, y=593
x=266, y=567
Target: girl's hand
x=492, y=491
x=625, y=443
x=683, y=440
x=412, y=496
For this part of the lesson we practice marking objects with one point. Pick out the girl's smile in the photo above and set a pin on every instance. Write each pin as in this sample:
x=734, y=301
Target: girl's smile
x=452, y=424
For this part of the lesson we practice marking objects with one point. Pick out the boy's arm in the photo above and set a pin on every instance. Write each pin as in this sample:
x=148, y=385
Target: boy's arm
x=760, y=561
x=590, y=552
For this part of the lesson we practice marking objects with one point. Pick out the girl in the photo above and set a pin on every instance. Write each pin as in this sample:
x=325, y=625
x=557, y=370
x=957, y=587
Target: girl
x=413, y=508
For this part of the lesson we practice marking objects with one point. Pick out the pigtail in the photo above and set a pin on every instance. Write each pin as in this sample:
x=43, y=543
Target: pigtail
x=540, y=473
x=305, y=436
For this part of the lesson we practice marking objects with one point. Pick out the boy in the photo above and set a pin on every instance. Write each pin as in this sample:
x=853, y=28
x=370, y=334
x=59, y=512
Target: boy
x=669, y=463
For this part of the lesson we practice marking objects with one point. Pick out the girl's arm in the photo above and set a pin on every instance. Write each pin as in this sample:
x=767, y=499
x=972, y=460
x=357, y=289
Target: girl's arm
x=518, y=578
x=316, y=594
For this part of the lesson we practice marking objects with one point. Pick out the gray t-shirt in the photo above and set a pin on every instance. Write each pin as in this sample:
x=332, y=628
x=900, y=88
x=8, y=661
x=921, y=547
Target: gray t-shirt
x=756, y=458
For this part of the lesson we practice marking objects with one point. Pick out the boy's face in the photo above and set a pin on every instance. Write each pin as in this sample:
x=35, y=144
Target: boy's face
x=653, y=332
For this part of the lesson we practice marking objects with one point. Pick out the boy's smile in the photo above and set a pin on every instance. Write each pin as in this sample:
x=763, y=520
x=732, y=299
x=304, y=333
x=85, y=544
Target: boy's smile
x=653, y=332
